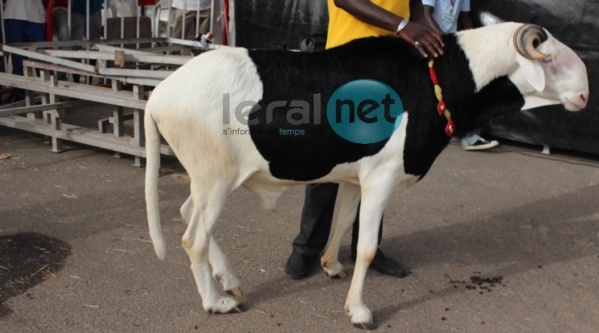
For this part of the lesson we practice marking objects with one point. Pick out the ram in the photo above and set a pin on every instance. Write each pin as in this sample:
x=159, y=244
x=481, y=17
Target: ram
x=372, y=114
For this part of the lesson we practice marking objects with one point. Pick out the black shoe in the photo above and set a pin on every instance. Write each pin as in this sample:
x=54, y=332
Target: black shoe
x=385, y=265
x=299, y=265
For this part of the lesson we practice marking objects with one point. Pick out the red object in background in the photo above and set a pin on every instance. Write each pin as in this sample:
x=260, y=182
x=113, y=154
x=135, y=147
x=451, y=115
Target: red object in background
x=49, y=20
x=226, y=24
x=146, y=2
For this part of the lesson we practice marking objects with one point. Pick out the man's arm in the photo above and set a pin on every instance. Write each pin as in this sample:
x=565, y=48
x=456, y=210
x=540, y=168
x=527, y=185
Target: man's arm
x=429, y=41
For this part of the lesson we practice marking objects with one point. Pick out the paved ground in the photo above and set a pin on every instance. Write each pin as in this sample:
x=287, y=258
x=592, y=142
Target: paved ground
x=502, y=241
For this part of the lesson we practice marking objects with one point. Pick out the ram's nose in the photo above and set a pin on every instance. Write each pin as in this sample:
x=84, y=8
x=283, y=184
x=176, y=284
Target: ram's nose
x=576, y=101
x=584, y=97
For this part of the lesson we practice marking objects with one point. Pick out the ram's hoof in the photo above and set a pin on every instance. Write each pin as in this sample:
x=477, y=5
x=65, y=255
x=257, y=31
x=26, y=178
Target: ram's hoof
x=235, y=292
x=338, y=276
x=237, y=309
x=365, y=326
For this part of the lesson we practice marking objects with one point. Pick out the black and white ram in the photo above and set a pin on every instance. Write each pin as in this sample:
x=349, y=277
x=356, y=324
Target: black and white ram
x=484, y=73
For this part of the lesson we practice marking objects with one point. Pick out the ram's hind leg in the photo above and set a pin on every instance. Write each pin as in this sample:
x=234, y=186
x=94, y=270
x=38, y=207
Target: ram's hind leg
x=221, y=269
x=186, y=210
x=208, y=202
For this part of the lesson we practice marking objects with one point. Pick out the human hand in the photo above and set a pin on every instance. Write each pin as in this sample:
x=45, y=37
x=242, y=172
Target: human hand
x=426, y=41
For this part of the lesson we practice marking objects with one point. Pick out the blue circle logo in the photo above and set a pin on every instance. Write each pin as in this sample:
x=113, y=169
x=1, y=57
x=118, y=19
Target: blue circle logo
x=364, y=111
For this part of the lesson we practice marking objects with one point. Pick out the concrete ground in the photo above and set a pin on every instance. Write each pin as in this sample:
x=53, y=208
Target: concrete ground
x=499, y=241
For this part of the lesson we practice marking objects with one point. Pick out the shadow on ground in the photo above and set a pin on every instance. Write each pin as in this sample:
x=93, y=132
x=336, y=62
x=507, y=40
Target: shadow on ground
x=525, y=238
x=27, y=259
x=518, y=240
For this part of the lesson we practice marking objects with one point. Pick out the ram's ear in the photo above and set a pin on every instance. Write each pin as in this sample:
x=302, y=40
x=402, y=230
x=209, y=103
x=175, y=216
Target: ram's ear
x=532, y=72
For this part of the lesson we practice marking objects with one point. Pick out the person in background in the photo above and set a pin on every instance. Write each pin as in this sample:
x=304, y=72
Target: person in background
x=24, y=21
x=79, y=22
x=349, y=20
x=446, y=16
x=190, y=7
x=60, y=16
x=60, y=26
x=78, y=19
x=79, y=28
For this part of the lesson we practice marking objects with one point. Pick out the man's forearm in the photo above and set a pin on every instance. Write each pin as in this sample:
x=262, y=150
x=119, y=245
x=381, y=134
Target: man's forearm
x=366, y=11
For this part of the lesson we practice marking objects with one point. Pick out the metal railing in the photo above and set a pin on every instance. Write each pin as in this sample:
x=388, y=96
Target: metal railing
x=140, y=63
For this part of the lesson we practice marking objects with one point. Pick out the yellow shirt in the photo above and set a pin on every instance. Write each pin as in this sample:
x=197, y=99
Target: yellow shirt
x=343, y=27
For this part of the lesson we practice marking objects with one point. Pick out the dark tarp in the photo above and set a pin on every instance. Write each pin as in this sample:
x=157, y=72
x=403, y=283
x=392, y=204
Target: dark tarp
x=278, y=23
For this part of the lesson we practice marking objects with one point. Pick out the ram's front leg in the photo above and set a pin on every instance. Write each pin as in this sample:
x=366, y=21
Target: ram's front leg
x=349, y=198
x=374, y=199
x=221, y=268
x=355, y=307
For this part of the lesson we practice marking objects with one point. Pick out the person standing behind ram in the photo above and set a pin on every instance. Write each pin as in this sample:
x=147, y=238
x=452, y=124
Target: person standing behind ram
x=446, y=16
x=350, y=20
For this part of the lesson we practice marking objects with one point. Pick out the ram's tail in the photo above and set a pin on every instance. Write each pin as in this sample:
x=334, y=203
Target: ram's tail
x=152, y=170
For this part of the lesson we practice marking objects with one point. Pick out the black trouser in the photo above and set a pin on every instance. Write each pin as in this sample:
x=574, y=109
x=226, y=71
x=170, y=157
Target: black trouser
x=317, y=218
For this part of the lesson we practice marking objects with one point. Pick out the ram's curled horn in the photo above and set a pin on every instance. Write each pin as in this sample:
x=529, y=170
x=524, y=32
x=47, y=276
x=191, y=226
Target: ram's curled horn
x=526, y=40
